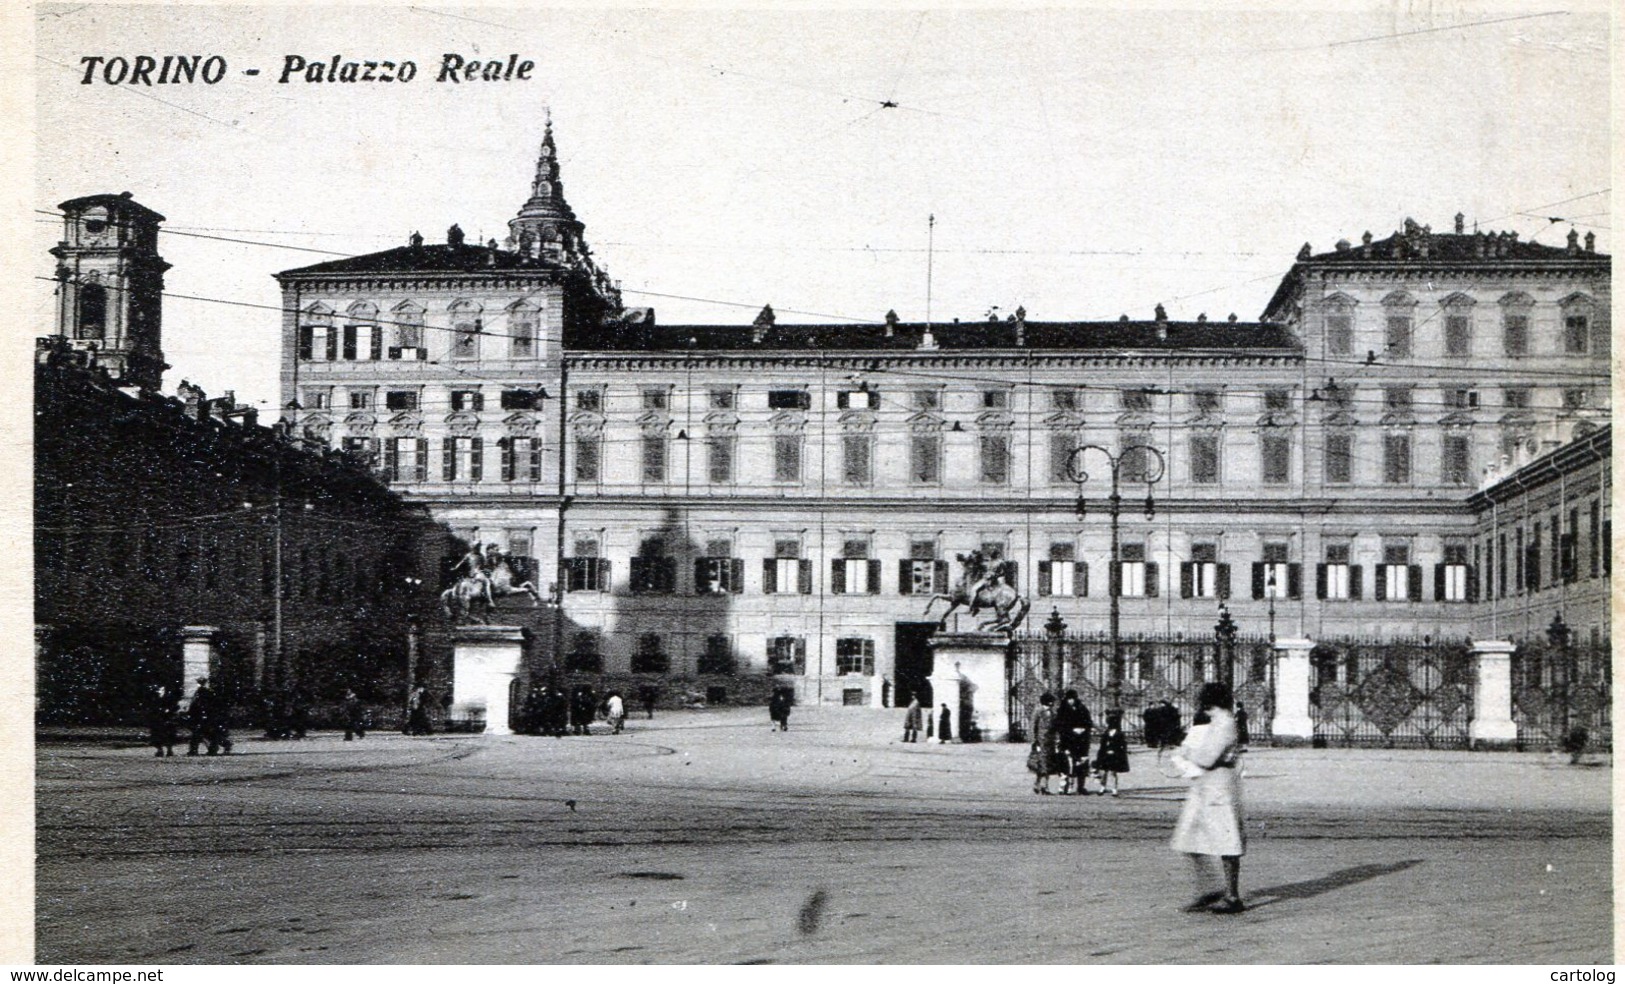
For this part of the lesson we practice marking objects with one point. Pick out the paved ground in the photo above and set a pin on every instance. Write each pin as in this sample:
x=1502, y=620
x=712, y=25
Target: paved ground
x=704, y=837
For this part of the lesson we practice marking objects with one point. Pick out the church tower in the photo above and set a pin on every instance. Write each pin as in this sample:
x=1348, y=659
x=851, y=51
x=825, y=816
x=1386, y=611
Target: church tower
x=545, y=226
x=110, y=286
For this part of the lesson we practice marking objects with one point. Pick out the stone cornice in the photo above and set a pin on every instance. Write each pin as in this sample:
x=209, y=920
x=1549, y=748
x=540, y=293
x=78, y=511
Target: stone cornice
x=623, y=361
x=372, y=283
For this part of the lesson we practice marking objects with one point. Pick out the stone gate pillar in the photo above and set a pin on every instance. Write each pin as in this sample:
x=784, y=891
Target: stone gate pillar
x=485, y=660
x=1292, y=724
x=970, y=674
x=1492, y=725
x=198, y=646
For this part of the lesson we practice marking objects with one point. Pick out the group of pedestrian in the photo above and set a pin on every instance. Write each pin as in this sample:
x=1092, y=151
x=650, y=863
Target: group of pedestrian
x=1062, y=739
x=548, y=710
x=915, y=716
x=207, y=716
x=286, y=714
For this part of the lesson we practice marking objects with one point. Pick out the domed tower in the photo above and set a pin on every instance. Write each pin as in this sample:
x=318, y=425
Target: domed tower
x=111, y=285
x=546, y=227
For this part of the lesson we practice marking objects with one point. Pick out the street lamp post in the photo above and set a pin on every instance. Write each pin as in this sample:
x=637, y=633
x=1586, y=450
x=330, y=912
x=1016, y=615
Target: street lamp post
x=1055, y=630
x=1225, y=632
x=1269, y=591
x=1140, y=453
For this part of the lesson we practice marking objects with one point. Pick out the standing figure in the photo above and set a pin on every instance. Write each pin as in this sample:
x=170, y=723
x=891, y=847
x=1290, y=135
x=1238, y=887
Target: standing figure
x=1073, y=729
x=1210, y=824
x=556, y=712
x=615, y=712
x=911, y=720
x=417, y=712
x=583, y=705
x=207, y=717
x=1242, y=737
x=1045, y=749
x=162, y=720
x=1112, y=759
x=778, y=710
x=355, y=716
x=648, y=695
x=945, y=728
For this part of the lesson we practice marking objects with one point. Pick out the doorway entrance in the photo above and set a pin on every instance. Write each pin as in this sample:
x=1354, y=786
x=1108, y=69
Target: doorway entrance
x=914, y=663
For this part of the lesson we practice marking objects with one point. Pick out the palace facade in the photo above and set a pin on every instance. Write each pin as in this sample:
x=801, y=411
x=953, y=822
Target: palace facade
x=785, y=499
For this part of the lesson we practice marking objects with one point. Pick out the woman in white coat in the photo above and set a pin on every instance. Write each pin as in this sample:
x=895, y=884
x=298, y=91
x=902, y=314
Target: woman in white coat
x=615, y=712
x=1210, y=825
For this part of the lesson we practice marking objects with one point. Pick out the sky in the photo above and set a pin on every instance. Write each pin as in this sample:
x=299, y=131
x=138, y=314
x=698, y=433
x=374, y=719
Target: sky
x=1080, y=163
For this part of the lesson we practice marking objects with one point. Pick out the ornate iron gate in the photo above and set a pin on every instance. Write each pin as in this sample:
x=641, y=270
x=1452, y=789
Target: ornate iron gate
x=1153, y=668
x=1392, y=694
x=1558, y=689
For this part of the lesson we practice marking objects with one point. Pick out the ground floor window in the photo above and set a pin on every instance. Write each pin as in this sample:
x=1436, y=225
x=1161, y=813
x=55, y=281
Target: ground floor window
x=855, y=656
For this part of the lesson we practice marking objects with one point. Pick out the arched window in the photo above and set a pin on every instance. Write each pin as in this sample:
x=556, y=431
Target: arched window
x=92, y=319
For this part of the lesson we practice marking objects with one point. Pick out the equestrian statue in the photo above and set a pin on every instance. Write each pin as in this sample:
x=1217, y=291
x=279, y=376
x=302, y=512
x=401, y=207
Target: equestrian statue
x=484, y=578
x=985, y=585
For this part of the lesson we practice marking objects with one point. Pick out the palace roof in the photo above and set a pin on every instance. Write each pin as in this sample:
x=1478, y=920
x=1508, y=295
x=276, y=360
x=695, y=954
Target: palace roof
x=429, y=258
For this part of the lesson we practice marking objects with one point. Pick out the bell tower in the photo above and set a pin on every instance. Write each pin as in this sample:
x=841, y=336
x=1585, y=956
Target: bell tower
x=110, y=284
x=546, y=227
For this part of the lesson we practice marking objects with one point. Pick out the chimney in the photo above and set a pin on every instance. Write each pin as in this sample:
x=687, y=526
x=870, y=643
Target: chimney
x=415, y=240
x=1201, y=319
x=1365, y=243
x=1574, y=242
x=1461, y=223
x=251, y=417
x=891, y=324
x=454, y=235
x=1591, y=242
x=1232, y=317
x=1021, y=327
x=1303, y=252
x=1342, y=246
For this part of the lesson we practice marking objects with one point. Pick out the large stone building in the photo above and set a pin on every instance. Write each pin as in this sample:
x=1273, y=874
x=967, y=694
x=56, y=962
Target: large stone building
x=176, y=536
x=785, y=498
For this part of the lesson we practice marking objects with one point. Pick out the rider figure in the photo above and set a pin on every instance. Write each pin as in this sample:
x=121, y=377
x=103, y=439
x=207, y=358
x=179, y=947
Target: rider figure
x=478, y=569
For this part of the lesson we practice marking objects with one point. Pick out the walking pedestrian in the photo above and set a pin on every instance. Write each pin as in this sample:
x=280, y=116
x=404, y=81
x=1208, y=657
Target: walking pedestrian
x=778, y=708
x=1242, y=737
x=1211, y=824
x=355, y=716
x=162, y=721
x=911, y=720
x=945, y=728
x=649, y=695
x=1044, y=751
x=1073, y=729
x=583, y=706
x=1112, y=759
x=207, y=717
x=556, y=712
x=615, y=712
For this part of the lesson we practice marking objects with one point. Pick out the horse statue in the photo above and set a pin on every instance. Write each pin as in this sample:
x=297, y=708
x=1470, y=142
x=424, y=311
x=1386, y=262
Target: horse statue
x=985, y=586
x=489, y=577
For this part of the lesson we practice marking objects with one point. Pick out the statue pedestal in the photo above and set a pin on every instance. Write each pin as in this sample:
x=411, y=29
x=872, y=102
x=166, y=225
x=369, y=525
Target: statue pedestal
x=485, y=660
x=972, y=678
x=197, y=658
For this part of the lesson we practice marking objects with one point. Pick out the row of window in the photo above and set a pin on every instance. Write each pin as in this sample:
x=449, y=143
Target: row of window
x=1133, y=577
x=1399, y=325
x=406, y=459
x=361, y=334
x=1547, y=552
x=785, y=655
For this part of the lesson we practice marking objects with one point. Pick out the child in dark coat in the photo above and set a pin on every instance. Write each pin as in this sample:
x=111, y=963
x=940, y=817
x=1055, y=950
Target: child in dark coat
x=1112, y=759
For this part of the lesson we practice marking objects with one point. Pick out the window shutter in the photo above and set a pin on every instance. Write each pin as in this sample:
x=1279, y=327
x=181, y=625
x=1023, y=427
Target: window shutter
x=1320, y=582
x=1080, y=584
x=1224, y=580
x=1438, y=582
x=770, y=575
x=1258, y=581
x=1044, y=568
x=905, y=577
x=701, y=568
x=1472, y=583
x=874, y=577
x=375, y=345
x=1294, y=581
x=1381, y=592
x=805, y=573
x=332, y=345
x=1151, y=586
x=837, y=576
x=939, y=576
x=448, y=458
x=1356, y=582
x=668, y=571
x=1414, y=576
x=423, y=459
x=1185, y=586
x=736, y=575
x=392, y=458
x=476, y=459
x=535, y=460
x=423, y=353
x=505, y=450
x=307, y=342
x=349, y=343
